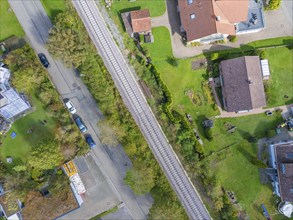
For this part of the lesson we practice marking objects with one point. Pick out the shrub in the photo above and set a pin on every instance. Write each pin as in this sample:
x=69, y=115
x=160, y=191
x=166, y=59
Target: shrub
x=193, y=44
x=233, y=39
x=273, y=4
x=172, y=61
x=214, y=56
x=209, y=134
x=271, y=133
x=262, y=54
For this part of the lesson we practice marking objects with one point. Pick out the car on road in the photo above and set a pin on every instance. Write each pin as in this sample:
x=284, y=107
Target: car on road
x=80, y=124
x=89, y=140
x=69, y=105
x=44, y=60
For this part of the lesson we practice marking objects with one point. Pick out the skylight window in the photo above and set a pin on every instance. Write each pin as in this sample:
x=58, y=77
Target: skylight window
x=189, y=2
x=192, y=16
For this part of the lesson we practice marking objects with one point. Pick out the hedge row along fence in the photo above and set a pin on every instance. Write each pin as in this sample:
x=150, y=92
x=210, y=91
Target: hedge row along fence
x=173, y=115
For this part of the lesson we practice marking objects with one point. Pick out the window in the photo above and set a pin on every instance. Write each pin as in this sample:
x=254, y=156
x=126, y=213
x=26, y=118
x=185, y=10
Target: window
x=192, y=16
x=289, y=155
x=189, y=1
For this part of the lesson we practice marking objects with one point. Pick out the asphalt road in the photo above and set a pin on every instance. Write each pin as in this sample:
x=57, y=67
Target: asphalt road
x=137, y=105
x=36, y=25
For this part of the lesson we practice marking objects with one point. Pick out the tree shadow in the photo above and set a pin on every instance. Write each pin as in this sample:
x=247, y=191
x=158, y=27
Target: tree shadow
x=54, y=13
x=245, y=153
x=200, y=127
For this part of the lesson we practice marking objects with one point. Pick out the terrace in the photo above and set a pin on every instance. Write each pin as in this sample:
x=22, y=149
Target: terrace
x=255, y=21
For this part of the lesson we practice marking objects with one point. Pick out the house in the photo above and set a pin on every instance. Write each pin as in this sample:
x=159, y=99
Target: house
x=12, y=104
x=281, y=169
x=242, y=84
x=138, y=23
x=206, y=21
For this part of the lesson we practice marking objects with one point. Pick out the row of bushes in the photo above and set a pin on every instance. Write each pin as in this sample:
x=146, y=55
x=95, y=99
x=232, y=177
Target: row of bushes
x=174, y=116
x=145, y=174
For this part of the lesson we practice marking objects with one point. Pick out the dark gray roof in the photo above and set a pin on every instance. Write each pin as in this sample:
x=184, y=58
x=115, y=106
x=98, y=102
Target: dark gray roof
x=285, y=170
x=242, y=84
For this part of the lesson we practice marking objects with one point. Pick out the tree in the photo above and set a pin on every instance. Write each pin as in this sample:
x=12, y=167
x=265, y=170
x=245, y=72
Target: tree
x=110, y=132
x=141, y=180
x=45, y=156
x=64, y=43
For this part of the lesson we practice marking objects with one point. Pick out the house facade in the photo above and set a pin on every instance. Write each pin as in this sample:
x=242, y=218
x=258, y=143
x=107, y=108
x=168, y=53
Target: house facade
x=206, y=21
x=242, y=84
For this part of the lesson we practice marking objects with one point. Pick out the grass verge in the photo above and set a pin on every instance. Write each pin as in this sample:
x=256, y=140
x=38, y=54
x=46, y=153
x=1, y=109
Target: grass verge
x=9, y=23
x=53, y=7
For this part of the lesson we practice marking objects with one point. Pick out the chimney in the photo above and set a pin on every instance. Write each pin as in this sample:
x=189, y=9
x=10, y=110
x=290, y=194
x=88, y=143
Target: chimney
x=218, y=18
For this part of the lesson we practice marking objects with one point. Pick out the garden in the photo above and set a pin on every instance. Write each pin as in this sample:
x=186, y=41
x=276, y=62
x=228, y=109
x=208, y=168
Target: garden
x=186, y=87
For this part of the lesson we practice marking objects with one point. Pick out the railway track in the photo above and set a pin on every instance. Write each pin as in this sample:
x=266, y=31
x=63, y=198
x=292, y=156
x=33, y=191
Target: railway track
x=137, y=105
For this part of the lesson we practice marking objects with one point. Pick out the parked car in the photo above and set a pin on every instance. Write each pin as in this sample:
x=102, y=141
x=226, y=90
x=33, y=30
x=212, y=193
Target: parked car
x=44, y=60
x=69, y=105
x=80, y=124
x=90, y=141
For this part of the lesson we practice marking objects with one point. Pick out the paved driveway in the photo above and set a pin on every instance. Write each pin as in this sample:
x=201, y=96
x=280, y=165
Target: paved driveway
x=278, y=24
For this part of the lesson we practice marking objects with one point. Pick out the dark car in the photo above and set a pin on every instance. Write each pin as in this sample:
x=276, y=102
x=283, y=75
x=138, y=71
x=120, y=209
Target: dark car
x=44, y=60
x=80, y=124
x=90, y=141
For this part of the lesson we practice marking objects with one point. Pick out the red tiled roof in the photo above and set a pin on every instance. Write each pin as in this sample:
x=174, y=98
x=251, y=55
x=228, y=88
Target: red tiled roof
x=140, y=21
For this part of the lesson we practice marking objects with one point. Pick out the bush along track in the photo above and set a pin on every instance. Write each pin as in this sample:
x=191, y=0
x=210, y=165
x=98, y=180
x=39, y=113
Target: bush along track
x=145, y=175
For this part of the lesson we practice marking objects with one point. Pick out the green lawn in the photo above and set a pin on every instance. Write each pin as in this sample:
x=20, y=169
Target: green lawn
x=272, y=42
x=53, y=7
x=237, y=174
x=9, y=23
x=20, y=146
x=281, y=68
x=235, y=171
x=161, y=48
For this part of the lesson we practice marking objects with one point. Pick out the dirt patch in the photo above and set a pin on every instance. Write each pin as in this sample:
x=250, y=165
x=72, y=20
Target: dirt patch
x=199, y=64
x=146, y=91
x=195, y=97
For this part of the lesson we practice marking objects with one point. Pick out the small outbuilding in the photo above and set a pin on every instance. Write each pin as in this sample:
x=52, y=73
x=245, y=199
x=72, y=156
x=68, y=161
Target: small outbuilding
x=138, y=22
